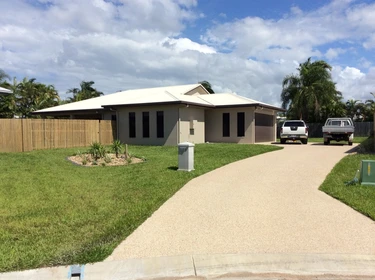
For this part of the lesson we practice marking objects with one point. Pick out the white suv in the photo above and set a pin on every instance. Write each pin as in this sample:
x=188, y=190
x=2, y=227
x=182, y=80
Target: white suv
x=294, y=130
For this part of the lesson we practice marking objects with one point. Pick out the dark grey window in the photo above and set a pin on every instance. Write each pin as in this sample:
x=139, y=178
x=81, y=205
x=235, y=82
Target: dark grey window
x=226, y=125
x=160, y=124
x=131, y=125
x=240, y=124
x=146, y=124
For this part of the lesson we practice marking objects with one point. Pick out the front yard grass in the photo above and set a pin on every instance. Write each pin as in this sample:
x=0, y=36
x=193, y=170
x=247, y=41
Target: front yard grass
x=360, y=198
x=53, y=212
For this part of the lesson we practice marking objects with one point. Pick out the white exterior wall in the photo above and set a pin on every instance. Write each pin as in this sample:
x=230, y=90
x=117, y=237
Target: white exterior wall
x=192, y=125
x=170, y=125
x=214, y=125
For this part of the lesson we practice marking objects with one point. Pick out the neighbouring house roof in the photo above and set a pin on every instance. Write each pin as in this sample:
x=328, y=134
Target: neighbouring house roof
x=5, y=91
x=194, y=94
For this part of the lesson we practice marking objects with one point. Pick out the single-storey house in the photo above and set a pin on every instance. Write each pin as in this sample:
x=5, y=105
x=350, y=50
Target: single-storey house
x=175, y=114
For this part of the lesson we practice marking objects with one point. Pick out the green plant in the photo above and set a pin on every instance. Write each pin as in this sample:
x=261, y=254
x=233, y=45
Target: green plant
x=84, y=161
x=129, y=160
x=103, y=163
x=117, y=147
x=97, y=150
x=107, y=159
x=94, y=162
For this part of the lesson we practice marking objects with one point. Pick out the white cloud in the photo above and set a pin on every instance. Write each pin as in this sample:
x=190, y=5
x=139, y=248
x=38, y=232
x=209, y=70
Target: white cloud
x=334, y=52
x=353, y=83
x=134, y=44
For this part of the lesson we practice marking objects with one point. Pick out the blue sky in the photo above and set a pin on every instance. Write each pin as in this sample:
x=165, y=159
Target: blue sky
x=240, y=46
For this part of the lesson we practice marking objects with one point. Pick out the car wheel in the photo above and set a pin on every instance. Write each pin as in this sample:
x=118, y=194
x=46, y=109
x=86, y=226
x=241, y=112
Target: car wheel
x=304, y=141
x=282, y=141
x=350, y=143
x=326, y=142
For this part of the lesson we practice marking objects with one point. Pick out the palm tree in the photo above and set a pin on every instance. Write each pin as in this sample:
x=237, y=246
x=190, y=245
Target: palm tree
x=352, y=108
x=303, y=94
x=86, y=91
x=207, y=86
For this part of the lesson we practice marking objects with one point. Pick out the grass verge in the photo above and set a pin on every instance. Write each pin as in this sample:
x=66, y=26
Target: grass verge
x=360, y=198
x=355, y=140
x=53, y=212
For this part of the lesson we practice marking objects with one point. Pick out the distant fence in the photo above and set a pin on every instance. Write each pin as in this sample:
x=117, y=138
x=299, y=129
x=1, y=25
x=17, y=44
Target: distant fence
x=362, y=129
x=22, y=135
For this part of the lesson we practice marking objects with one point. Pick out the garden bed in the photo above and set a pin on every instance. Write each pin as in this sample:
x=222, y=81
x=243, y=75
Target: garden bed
x=107, y=160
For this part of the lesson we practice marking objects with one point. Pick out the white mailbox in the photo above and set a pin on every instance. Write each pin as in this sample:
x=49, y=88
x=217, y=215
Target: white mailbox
x=185, y=156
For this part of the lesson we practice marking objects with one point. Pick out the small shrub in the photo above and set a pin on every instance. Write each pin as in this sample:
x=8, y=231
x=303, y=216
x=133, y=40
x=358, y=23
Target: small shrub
x=103, y=163
x=107, y=159
x=94, y=162
x=84, y=161
x=117, y=147
x=97, y=150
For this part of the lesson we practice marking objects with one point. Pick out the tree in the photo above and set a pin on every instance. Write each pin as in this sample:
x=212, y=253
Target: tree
x=32, y=96
x=86, y=91
x=352, y=108
x=304, y=94
x=7, y=102
x=3, y=77
x=28, y=96
x=207, y=86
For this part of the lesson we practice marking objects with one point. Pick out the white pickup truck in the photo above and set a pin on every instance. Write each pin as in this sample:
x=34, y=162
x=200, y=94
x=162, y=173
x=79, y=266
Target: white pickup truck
x=294, y=130
x=338, y=129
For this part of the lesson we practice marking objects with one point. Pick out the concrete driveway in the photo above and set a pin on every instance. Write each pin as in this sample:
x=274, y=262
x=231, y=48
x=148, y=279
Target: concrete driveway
x=264, y=204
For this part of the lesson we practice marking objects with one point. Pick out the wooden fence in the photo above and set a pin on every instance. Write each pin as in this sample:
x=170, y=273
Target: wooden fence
x=22, y=135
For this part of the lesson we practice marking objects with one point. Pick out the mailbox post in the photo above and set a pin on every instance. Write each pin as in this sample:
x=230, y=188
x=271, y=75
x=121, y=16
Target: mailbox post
x=186, y=156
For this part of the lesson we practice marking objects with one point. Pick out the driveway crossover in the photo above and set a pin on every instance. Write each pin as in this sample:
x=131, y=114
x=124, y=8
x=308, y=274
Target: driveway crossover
x=264, y=204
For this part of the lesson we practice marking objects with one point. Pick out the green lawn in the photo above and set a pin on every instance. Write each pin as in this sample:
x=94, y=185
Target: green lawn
x=53, y=212
x=360, y=198
x=320, y=140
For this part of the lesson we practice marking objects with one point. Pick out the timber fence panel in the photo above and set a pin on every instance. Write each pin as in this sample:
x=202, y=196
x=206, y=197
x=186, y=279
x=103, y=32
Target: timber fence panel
x=19, y=135
x=27, y=141
x=11, y=135
x=38, y=134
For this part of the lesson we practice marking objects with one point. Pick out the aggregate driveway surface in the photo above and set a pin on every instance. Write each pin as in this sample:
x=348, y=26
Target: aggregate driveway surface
x=265, y=204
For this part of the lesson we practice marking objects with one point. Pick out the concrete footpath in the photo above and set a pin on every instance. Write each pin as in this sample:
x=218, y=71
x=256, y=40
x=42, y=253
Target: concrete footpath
x=231, y=266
